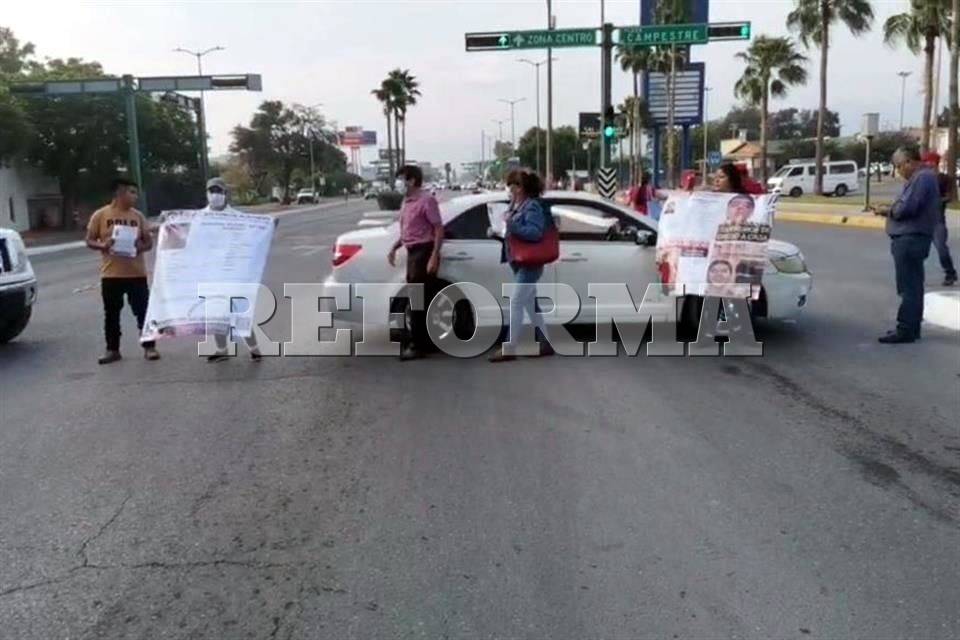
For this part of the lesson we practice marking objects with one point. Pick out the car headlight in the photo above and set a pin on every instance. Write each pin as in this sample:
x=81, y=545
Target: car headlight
x=789, y=264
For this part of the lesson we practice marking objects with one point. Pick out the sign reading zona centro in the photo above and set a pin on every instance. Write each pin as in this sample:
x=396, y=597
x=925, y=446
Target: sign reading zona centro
x=541, y=39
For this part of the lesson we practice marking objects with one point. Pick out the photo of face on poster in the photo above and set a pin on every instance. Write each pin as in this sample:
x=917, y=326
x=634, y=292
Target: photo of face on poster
x=740, y=209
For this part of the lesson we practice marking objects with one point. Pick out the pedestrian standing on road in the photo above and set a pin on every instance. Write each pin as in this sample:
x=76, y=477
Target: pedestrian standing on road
x=218, y=201
x=932, y=159
x=121, y=275
x=911, y=221
x=421, y=234
x=528, y=220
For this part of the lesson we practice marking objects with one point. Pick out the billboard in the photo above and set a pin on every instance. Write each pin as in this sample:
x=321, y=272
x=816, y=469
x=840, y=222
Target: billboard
x=355, y=137
x=698, y=12
x=688, y=95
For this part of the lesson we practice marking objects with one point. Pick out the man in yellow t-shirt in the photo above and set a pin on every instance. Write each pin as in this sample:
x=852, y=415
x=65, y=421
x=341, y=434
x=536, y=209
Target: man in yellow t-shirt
x=121, y=274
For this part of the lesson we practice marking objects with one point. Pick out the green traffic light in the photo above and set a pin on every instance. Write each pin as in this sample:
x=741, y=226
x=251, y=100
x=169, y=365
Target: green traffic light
x=745, y=31
x=609, y=132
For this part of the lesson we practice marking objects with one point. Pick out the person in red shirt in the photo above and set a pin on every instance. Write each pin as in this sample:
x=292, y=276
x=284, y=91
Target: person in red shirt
x=421, y=234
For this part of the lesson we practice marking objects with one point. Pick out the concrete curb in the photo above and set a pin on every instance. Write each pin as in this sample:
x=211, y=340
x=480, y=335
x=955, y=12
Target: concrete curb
x=854, y=220
x=54, y=248
x=942, y=308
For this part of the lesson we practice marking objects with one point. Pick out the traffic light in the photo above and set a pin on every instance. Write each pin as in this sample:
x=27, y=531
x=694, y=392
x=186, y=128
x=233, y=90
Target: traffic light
x=609, y=125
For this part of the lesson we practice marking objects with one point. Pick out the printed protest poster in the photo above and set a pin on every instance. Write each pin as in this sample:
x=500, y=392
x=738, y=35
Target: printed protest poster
x=195, y=247
x=714, y=244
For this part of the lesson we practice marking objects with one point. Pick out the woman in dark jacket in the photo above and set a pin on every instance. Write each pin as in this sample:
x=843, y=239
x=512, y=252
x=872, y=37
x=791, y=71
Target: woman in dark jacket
x=527, y=219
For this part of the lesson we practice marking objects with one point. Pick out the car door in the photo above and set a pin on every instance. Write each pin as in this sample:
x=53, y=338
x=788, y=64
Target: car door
x=596, y=245
x=469, y=255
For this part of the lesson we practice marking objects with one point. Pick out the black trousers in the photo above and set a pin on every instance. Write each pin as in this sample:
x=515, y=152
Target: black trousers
x=113, y=290
x=418, y=256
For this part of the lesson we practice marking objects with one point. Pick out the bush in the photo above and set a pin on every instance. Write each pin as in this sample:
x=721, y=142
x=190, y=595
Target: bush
x=390, y=200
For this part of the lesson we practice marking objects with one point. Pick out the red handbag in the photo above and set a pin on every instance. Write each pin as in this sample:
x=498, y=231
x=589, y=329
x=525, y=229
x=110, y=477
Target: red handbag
x=536, y=254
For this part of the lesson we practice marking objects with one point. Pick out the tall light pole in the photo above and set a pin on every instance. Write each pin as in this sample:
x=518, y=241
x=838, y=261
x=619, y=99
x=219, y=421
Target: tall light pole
x=500, y=126
x=706, y=131
x=313, y=171
x=513, y=121
x=903, y=89
x=551, y=24
x=536, y=65
x=201, y=115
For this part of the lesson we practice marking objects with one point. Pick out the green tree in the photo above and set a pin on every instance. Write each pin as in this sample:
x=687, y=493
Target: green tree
x=566, y=148
x=812, y=20
x=772, y=64
x=15, y=59
x=277, y=143
x=385, y=96
x=406, y=91
x=919, y=29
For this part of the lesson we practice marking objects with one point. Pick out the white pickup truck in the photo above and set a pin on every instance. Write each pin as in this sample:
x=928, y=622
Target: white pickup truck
x=18, y=285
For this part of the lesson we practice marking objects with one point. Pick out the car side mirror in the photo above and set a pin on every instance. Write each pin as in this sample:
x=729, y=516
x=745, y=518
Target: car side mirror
x=646, y=238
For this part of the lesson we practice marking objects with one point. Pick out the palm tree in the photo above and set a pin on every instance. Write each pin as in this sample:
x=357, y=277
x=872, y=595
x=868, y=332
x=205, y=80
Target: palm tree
x=772, y=65
x=953, y=153
x=385, y=97
x=812, y=20
x=634, y=60
x=408, y=97
x=919, y=28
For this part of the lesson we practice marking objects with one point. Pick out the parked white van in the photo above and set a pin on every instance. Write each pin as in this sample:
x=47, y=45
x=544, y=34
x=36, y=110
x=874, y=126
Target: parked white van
x=839, y=178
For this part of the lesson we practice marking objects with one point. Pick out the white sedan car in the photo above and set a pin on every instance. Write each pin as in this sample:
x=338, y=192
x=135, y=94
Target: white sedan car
x=600, y=242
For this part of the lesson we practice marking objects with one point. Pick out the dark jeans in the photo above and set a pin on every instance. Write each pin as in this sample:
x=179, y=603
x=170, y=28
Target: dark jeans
x=113, y=290
x=909, y=252
x=940, y=242
x=418, y=256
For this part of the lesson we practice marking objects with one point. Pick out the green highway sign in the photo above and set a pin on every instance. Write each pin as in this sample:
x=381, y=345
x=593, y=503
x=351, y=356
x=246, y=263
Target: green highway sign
x=542, y=39
x=661, y=34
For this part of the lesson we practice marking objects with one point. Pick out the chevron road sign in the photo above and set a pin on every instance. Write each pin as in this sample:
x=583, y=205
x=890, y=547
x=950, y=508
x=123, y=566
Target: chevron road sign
x=607, y=182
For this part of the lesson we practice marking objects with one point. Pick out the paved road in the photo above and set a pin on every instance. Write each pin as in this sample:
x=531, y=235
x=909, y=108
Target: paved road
x=811, y=493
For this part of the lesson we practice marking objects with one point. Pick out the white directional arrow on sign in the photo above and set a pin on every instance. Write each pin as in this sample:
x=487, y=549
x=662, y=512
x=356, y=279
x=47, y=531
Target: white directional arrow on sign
x=518, y=41
x=503, y=40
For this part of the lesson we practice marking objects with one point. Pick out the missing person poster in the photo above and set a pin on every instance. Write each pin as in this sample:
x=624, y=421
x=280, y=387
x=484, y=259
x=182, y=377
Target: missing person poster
x=204, y=247
x=714, y=244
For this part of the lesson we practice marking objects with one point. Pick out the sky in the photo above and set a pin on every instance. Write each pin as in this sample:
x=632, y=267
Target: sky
x=336, y=52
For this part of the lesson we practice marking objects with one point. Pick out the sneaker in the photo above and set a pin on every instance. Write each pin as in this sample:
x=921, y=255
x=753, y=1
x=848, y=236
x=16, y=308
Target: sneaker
x=410, y=353
x=220, y=356
x=109, y=357
x=256, y=356
x=949, y=280
x=897, y=337
x=500, y=356
x=151, y=353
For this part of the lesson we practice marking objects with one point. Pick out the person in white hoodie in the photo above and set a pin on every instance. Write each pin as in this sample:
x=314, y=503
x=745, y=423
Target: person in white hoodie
x=218, y=200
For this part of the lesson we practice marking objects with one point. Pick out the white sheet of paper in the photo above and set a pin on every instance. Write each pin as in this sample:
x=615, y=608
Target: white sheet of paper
x=125, y=241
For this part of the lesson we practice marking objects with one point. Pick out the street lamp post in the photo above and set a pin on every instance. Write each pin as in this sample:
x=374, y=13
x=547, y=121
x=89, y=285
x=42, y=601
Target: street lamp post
x=499, y=126
x=706, y=132
x=313, y=171
x=903, y=89
x=513, y=122
x=551, y=24
x=201, y=115
x=536, y=65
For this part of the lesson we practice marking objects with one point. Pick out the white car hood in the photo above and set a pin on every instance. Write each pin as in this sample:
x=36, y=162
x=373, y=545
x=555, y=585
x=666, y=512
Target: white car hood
x=781, y=248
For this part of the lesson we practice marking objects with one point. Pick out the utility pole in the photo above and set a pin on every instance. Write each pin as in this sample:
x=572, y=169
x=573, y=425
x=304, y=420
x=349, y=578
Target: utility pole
x=903, y=89
x=604, y=102
x=201, y=114
x=551, y=24
x=536, y=65
x=483, y=145
x=310, y=137
x=706, y=132
x=133, y=139
x=513, y=122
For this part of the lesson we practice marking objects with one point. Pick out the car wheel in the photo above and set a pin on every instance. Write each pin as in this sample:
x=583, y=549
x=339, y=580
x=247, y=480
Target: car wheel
x=796, y=192
x=15, y=326
x=840, y=191
x=458, y=318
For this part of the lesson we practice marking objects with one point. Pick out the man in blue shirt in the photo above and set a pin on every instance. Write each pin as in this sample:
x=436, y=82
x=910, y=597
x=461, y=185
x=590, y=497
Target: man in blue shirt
x=911, y=221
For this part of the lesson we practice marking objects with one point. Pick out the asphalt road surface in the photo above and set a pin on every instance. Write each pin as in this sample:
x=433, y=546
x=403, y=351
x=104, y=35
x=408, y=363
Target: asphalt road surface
x=810, y=493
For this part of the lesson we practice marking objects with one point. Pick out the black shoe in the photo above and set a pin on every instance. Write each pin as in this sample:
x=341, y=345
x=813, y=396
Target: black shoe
x=256, y=356
x=410, y=353
x=949, y=280
x=897, y=337
x=218, y=357
x=109, y=357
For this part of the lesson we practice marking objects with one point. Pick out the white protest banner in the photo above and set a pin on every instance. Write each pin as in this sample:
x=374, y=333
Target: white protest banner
x=715, y=244
x=195, y=247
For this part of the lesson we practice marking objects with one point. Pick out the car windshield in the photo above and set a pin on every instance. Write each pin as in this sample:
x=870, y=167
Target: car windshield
x=783, y=171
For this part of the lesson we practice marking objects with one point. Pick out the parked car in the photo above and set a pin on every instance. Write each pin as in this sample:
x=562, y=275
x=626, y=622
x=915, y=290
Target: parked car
x=18, y=286
x=839, y=178
x=305, y=196
x=600, y=241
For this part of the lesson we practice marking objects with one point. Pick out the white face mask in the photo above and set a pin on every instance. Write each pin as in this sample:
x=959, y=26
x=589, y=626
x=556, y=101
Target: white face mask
x=216, y=200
